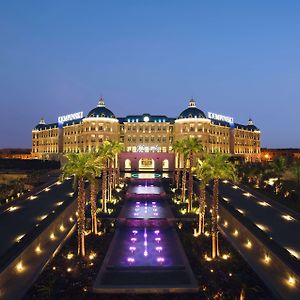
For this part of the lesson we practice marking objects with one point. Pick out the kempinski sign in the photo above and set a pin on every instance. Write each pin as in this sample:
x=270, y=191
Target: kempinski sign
x=70, y=117
x=219, y=117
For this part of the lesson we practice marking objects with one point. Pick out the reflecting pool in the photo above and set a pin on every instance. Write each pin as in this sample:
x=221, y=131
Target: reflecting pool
x=145, y=209
x=145, y=189
x=145, y=247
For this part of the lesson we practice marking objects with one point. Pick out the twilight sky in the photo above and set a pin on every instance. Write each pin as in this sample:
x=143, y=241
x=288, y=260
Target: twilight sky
x=237, y=58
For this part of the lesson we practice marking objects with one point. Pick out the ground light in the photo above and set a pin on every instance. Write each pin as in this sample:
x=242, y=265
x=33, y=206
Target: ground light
x=247, y=194
x=262, y=227
x=288, y=218
x=41, y=218
x=291, y=281
x=70, y=255
x=20, y=267
x=13, y=208
x=267, y=259
x=225, y=256
x=38, y=249
x=18, y=238
x=263, y=203
x=207, y=258
x=240, y=211
x=206, y=233
x=249, y=244
x=196, y=234
x=294, y=252
x=92, y=255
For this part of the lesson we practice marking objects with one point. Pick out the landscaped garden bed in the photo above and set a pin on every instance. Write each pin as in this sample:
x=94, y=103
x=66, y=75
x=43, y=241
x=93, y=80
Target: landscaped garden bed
x=224, y=277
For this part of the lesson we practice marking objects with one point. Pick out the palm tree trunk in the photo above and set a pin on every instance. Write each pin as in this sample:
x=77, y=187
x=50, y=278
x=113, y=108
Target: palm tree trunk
x=81, y=217
x=183, y=185
x=118, y=170
x=104, y=175
x=215, y=212
x=178, y=171
x=113, y=173
x=110, y=178
x=202, y=201
x=190, y=201
x=94, y=206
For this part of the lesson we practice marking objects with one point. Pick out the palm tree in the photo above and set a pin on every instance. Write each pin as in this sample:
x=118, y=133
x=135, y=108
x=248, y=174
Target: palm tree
x=221, y=168
x=183, y=150
x=113, y=169
x=117, y=147
x=95, y=167
x=204, y=173
x=77, y=165
x=105, y=154
x=193, y=146
x=176, y=147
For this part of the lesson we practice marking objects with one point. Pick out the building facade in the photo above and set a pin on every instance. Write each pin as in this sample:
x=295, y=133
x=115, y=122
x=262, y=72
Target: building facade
x=145, y=134
x=268, y=154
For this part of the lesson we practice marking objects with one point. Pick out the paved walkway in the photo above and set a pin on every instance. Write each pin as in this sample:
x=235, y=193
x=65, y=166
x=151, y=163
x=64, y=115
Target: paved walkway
x=23, y=216
x=278, y=222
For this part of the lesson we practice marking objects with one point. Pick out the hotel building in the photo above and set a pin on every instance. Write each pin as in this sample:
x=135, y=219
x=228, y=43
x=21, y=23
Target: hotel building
x=147, y=139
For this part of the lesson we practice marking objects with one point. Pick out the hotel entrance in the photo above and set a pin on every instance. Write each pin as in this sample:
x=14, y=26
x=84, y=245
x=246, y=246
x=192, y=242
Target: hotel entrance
x=146, y=164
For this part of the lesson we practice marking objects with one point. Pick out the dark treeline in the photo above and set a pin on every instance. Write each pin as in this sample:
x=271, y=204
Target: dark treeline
x=28, y=164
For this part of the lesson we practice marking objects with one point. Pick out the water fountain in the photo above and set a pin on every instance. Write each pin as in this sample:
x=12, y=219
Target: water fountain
x=145, y=254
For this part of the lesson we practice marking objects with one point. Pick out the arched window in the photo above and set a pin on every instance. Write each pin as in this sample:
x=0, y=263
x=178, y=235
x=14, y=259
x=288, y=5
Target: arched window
x=127, y=164
x=165, y=165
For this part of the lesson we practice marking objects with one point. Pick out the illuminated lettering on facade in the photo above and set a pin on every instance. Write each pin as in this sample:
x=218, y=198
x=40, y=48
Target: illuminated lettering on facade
x=143, y=148
x=219, y=117
x=70, y=117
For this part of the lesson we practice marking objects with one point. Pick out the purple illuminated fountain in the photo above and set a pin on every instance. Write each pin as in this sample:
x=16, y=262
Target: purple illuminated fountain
x=144, y=210
x=146, y=189
x=145, y=246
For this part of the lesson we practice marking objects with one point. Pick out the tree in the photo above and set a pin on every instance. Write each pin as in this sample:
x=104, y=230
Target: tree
x=204, y=173
x=77, y=165
x=278, y=167
x=95, y=167
x=177, y=148
x=221, y=168
x=117, y=147
x=183, y=150
x=104, y=155
x=296, y=170
x=193, y=147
